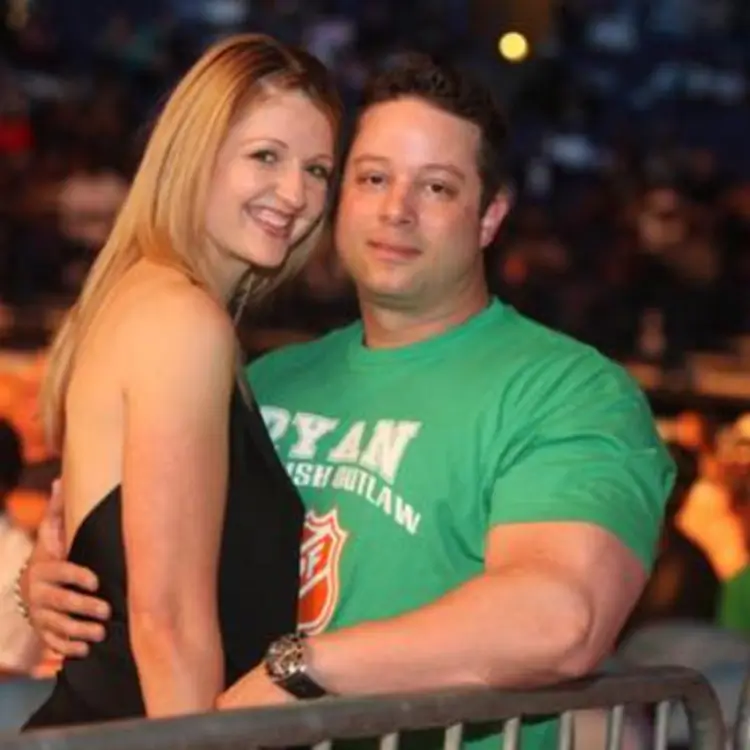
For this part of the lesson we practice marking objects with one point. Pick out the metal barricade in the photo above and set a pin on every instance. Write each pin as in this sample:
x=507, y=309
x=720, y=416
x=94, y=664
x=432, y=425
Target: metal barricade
x=741, y=734
x=319, y=723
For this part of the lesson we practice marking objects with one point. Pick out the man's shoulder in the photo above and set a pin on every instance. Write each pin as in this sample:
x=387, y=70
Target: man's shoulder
x=296, y=358
x=548, y=363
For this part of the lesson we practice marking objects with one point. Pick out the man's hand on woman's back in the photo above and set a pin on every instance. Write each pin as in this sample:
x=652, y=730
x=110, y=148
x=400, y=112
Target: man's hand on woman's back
x=65, y=619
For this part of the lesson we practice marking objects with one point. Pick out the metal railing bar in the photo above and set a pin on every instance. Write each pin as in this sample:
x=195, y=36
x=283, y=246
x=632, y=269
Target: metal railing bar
x=661, y=726
x=512, y=734
x=615, y=727
x=309, y=722
x=453, y=737
x=389, y=741
x=566, y=731
x=741, y=729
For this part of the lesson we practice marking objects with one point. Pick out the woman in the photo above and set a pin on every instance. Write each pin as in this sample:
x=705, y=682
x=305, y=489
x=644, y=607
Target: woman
x=173, y=493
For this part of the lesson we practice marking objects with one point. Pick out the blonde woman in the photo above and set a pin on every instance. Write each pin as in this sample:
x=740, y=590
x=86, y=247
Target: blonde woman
x=173, y=493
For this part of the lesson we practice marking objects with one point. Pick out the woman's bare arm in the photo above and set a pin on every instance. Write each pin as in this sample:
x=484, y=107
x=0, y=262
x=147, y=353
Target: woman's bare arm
x=175, y=464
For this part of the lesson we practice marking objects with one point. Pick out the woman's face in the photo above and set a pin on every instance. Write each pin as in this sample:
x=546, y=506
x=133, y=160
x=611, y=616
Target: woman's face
x=271, y=180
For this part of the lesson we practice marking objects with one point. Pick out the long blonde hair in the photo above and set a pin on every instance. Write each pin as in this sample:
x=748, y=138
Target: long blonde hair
x=162, y=218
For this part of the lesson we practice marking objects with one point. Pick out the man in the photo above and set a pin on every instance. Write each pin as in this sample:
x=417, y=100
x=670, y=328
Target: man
x=484, y=495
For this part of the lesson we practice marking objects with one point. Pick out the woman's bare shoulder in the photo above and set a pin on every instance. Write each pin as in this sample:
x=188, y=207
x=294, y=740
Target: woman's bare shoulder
x=160, y=315
x=163, y=303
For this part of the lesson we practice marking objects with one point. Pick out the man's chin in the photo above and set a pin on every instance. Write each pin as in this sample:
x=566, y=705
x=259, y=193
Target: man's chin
x=391, y=296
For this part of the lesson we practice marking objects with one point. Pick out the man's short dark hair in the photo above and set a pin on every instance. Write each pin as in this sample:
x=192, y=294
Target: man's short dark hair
x=459, y=93
x=11, y=459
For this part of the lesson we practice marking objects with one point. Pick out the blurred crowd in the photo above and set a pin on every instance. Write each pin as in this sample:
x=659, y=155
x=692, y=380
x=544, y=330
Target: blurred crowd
x=632, y=200
x=78, y=89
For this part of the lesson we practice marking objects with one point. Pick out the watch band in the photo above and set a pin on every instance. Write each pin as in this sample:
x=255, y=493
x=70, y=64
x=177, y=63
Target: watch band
x=302, y=686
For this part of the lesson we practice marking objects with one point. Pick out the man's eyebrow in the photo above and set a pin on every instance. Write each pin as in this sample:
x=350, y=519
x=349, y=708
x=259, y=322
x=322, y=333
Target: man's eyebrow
x=369, y=157
x=455, y=171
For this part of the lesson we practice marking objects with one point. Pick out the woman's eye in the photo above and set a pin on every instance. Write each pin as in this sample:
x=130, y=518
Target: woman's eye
x=320, y=172
x=266, y=156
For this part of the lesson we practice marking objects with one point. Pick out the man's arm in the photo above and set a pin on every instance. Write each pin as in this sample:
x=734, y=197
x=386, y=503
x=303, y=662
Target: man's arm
x=548, y=608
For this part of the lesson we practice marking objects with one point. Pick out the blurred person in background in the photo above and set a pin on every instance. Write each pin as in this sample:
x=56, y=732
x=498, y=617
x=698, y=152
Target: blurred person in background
x=695, y=431
x=679, y=268
x=709, y=515
x=88, y=202
x=683, y=584
x=16, y=134
x=674, y=625
x=19, y=645
x=734, y=612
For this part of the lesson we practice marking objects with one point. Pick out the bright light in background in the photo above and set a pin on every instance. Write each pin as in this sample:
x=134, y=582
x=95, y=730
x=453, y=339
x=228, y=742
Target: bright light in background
x=513, y=46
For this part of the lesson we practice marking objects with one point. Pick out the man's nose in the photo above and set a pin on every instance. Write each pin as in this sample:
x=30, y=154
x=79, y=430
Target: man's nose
x=397, y=207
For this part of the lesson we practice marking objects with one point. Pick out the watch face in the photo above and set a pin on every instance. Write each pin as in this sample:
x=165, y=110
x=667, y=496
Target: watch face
x=285, y=658
x=285, y=665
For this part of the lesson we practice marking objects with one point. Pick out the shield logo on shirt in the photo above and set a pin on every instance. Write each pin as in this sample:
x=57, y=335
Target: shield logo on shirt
x=322, y=544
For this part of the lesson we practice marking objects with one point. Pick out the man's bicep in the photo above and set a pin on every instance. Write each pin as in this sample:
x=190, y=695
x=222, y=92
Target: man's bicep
x=588, y=559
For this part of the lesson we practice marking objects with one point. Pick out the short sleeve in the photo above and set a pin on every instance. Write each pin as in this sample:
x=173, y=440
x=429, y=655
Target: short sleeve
x=585, y=449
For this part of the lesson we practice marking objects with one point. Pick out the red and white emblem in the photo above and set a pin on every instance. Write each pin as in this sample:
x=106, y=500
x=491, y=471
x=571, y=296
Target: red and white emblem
x=322, y=544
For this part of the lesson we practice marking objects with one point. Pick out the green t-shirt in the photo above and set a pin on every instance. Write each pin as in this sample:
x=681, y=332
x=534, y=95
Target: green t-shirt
x=405, y=458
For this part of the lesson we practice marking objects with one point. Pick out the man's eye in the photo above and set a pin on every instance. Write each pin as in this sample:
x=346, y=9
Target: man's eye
x=440, y=188
x=371, y=179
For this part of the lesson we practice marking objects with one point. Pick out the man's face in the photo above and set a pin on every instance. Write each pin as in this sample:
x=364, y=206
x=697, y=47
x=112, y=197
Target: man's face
x=409, y=227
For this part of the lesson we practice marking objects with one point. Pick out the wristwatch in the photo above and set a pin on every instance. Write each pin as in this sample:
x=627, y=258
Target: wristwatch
x=286, y=665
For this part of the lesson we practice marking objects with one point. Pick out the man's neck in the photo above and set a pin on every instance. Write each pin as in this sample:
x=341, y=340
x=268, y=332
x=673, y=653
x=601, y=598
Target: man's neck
x=387, y=328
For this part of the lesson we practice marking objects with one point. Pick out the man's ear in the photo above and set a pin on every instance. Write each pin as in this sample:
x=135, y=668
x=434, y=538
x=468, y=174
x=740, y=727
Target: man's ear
x=493, y=217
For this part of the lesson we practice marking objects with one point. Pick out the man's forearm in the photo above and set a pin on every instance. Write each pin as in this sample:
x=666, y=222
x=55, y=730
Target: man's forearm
x=519, y=628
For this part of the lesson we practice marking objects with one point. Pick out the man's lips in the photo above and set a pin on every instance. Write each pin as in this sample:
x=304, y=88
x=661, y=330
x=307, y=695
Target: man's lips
x=392, y=250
